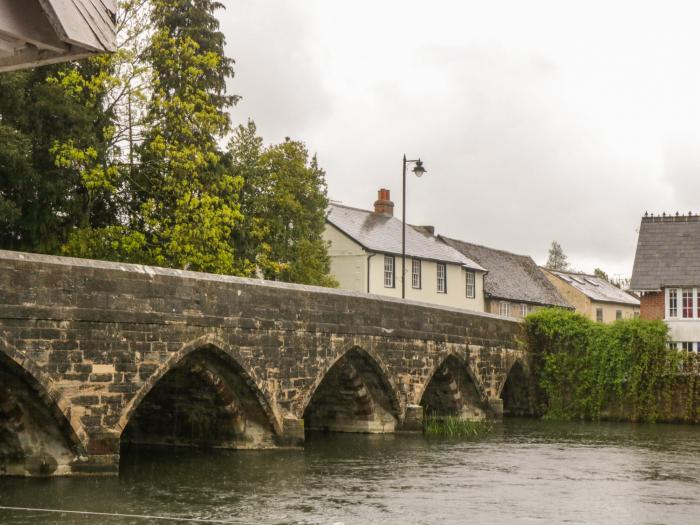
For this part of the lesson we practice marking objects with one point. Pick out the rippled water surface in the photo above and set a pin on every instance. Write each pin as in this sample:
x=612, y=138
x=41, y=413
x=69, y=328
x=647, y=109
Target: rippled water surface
x=525, y=472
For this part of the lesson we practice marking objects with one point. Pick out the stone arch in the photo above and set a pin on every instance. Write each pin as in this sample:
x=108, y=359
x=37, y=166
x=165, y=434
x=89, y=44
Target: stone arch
x=451, y=389
x=234, y=398
x=516, y=390
x=353, y=393
x=38, y=436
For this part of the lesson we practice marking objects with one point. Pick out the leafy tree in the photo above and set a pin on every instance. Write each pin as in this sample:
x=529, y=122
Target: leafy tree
x=557, y=259
x=42, y=200
x=191, y=207
x=284, y=202
x=601, y=274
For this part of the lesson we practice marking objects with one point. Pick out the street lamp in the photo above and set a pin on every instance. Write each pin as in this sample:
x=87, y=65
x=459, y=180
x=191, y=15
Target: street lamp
x=418, y=171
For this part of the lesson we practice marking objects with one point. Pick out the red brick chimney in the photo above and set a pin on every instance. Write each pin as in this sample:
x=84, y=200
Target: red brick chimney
x=383, y=204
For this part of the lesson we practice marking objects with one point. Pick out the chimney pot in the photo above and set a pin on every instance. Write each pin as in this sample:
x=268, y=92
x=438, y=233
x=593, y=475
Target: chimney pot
x=383, y=204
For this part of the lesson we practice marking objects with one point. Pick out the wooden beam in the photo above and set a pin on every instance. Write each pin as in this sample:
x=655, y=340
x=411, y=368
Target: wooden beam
x=33, y=57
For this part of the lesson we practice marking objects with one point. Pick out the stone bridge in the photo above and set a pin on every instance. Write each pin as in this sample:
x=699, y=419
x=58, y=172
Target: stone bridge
x=97, y=355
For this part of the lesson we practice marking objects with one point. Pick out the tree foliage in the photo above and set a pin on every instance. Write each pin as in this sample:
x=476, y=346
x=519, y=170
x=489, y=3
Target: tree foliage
x=284, y=202
x=557, y=259
x=601, y=274
x=43, y=197
x=588, y=370
x=118, y=157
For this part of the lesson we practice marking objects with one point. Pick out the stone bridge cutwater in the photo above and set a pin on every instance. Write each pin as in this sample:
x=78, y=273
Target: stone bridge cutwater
x=97, y=355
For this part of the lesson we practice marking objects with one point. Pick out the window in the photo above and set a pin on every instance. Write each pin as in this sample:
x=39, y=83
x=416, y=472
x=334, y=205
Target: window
x=504, y=309
x=389, y=271
x=441, y=278
x=687, y=302
x=673, y=302
x=618, y=314
x=687, y=346
x=415, y=273
x=636, y=315
x=599, y=315
x=524, y=310
x=471, y=284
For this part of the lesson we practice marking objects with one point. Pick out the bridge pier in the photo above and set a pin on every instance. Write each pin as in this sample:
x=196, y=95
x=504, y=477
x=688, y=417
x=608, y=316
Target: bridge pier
x=292, y=435
x=495, y=408
x=413, y=419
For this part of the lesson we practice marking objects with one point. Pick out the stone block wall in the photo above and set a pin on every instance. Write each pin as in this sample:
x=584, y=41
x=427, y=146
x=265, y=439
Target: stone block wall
x=96, y=338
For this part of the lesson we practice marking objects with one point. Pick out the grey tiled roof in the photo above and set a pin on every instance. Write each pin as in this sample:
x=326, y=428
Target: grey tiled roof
x=596, y=289
x=87, y=23
x=668, y=253
x=512, y=277
x=381, y=233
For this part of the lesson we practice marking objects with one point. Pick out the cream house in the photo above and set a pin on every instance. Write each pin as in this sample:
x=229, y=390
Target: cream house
x=594, y=297
x=365, y=252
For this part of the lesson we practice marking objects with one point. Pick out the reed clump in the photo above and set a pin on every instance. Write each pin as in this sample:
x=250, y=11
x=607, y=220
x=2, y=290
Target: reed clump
x=454, y=427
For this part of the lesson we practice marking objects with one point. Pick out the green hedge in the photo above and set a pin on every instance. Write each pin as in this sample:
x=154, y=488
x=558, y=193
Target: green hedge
x=588, y=370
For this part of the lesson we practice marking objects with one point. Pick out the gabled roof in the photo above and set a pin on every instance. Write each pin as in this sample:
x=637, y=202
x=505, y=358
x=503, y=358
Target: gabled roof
x=595, y=288
x=381, y=233
x=35, y=32
x=668, y=253
x=511, y=276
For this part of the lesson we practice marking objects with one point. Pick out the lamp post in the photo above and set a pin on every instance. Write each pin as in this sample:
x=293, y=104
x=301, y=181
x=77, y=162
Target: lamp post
x=418, y=170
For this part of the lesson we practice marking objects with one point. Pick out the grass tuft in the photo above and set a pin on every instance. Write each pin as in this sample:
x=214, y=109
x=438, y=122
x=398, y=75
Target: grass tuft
x=455, y=428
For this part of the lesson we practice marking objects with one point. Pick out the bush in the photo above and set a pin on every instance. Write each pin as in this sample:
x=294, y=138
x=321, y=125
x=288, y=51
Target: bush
x=588, y=370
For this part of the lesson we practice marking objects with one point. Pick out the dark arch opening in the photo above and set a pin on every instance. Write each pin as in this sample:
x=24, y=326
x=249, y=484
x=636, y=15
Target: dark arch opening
x=452, y=392
x=516, y=393
x=35, y=437
x=354, y=396
x=206, y=401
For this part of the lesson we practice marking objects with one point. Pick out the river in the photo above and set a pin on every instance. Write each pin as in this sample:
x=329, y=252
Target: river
x=526, y=471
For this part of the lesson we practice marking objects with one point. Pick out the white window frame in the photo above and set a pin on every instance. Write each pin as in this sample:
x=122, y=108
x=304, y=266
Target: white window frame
x=618, y=315
x=687, y=293
x=602, y=315
x=671, y=310
x=504, y=308
x=470, y=286
x=416, y=276
x=524, y=309
x=441, y=279
x=389, y=271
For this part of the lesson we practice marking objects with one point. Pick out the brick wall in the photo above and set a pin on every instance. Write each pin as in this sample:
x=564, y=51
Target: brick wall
x=652, y=305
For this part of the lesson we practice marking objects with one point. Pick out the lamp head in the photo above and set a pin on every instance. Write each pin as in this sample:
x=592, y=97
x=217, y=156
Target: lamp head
x=419, y=170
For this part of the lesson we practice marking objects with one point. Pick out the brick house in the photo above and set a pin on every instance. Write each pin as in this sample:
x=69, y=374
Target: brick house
x=514, y=285
x=666, y=274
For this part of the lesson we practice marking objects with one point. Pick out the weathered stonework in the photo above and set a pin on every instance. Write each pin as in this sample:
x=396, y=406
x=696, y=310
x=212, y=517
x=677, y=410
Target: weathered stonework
x=106, y=353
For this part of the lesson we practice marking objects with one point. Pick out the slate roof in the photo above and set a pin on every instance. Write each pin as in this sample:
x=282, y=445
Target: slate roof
x=595, y=288
x=511, y=276
x=86, y=23
x=668, y=253
x=380, y=233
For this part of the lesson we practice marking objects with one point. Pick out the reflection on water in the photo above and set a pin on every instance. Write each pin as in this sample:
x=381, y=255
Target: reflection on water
x=526, y=471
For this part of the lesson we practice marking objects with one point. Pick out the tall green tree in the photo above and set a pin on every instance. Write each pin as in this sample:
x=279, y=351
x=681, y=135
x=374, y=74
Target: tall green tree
x=190, y=209
x=557, y=259
x=284, y=202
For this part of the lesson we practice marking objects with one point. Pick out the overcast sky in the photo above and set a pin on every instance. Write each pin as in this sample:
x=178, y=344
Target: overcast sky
x=536, y=120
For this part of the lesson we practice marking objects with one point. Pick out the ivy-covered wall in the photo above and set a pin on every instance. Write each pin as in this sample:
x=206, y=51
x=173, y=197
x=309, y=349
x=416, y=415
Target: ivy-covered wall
x=621, y=371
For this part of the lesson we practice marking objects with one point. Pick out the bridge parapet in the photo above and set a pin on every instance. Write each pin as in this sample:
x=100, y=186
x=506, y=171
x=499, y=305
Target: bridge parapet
x=117, y=349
